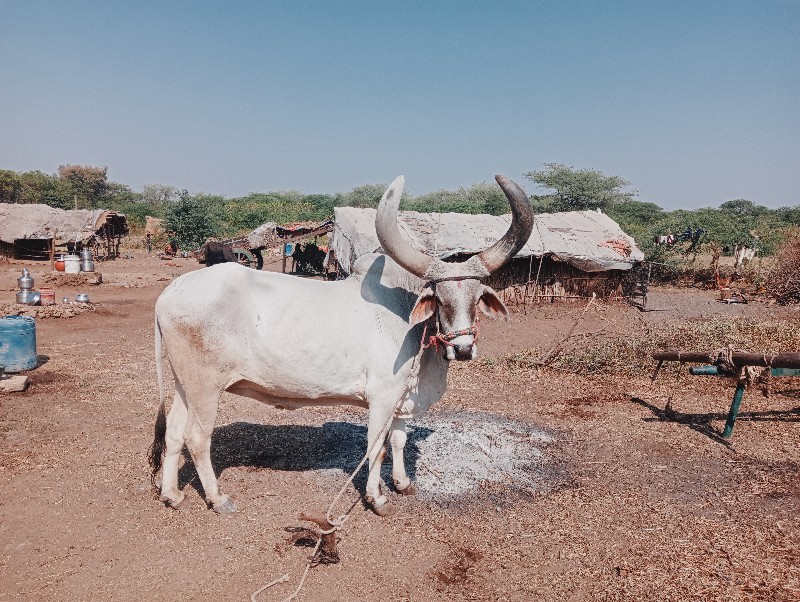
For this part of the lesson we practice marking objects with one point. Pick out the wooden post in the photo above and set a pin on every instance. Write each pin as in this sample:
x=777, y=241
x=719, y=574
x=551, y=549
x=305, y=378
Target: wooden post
x=283, y=257
x=52, y=250
x=738, y=358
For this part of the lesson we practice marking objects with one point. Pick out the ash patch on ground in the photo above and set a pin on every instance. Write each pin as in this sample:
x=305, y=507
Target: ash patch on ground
x=451, y=454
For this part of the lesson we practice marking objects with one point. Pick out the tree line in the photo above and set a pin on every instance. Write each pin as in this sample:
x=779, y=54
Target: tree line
x=198, y=216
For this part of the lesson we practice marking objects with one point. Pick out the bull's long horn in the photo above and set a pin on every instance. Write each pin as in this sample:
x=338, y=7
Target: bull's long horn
x=518, y=233
x=389, y=235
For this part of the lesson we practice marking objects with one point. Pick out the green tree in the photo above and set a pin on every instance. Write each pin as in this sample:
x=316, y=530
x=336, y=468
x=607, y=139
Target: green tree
x=489, y=197
x=10, y=186
x=323, y=204
x=366, y=196
x=191, y=219
x=441, y=201
x=581, y=189
x=788, y=215
x=636, y=218
x=247, y=213
x=743, y=208
x=38, y=187
x=117, y=195
x=156, y=194
x=478, y=198
x=88, y=184
x=543, y=203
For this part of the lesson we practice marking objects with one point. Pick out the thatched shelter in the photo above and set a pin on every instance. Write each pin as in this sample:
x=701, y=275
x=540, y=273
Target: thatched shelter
x=569, y=255
x=34, y=231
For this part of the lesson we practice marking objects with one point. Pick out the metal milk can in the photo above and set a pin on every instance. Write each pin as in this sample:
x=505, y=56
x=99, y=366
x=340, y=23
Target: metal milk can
x=25, y=281
x=87, y=265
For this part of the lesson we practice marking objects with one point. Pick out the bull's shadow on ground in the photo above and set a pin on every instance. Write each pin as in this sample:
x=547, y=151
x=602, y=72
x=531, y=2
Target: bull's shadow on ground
x=701, y=422
x=291, y=447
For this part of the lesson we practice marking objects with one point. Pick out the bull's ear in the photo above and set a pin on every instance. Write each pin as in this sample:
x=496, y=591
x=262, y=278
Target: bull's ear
x=424, y=309
x=491, y=305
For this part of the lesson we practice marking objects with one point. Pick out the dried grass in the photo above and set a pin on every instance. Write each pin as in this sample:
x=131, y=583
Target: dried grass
x=631, y=354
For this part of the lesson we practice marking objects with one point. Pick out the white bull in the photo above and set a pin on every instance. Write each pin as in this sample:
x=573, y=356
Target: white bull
x=292, y=342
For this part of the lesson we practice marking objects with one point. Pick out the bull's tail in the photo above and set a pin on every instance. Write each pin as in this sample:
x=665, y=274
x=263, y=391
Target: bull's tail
x=156, y=453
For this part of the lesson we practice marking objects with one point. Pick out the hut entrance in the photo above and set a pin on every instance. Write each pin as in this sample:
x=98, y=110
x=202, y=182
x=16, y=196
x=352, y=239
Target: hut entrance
x=32, y=248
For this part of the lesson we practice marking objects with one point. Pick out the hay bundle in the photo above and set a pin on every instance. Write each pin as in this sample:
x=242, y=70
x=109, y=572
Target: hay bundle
x=783, y=283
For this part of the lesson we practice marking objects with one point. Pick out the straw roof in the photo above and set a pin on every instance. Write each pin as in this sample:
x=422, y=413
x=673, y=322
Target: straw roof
x=591, y=241
x=32, y=221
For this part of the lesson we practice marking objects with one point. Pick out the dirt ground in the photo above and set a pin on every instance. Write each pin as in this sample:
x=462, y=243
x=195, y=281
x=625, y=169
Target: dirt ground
x=616, y=499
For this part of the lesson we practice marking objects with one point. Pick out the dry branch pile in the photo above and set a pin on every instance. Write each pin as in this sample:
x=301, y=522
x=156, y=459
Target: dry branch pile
x=783, y=282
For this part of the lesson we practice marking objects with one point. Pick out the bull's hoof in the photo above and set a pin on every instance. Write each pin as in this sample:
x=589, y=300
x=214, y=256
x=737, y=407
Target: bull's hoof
x=409, y=489
x=381, y=506
x=386, y=510
x=226, y=507
x=179, y=503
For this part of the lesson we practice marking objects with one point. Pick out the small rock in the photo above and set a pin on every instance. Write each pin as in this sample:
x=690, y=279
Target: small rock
x=14, y=383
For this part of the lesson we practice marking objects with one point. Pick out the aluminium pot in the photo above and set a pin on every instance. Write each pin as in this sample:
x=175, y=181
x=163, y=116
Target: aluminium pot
x=28, y=297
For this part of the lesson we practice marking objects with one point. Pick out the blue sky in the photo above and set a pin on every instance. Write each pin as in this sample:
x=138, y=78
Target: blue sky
x=695, y=103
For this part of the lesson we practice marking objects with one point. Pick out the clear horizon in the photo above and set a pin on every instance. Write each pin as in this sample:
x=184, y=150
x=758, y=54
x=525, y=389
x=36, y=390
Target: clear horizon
x=694, y=103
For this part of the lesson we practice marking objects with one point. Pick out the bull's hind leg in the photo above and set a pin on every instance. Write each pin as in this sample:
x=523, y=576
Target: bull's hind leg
x=197, y=434
x=398, y=439
x=176, y=423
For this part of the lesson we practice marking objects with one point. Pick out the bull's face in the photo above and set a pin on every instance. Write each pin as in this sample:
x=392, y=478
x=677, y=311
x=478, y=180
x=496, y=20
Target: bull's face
x=455, y=304
x=455, y=293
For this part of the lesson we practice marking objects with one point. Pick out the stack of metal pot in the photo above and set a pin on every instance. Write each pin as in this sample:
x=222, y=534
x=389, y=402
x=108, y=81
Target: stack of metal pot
x=87, y=265
x=26, y=294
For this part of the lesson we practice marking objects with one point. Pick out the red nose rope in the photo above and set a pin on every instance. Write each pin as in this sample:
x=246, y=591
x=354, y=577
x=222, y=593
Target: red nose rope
x=445, y=337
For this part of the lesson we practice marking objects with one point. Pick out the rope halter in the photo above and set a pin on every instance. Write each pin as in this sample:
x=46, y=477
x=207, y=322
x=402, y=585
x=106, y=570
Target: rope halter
x=445, y=338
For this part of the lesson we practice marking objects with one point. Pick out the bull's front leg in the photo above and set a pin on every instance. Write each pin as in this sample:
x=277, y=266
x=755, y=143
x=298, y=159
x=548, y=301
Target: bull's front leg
x=376, y=446
x=398, y=438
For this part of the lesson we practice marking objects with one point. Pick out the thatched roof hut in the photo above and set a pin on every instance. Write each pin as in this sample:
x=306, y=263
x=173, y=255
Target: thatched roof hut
x=568, y=254
x=33, y=229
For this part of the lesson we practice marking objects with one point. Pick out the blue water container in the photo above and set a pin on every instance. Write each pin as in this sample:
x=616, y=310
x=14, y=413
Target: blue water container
x=18, y=343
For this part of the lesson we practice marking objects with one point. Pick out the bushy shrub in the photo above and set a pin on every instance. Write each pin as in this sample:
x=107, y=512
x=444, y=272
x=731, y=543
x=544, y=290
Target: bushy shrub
x=191, y=220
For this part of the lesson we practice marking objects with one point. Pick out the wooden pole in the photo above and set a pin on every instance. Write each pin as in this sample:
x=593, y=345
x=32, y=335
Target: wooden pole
x=52, y=250
x=738, y=358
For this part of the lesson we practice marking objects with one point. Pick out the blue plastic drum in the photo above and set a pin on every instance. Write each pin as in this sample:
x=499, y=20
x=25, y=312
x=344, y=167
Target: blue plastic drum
x=18, y=343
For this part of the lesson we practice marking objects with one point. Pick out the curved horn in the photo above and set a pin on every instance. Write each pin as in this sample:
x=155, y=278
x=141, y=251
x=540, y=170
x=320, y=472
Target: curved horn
x=518, y=233
x=389, y=235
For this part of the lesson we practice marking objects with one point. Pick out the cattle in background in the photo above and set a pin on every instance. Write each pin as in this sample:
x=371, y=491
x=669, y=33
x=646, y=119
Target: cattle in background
x=217, y=252
x=293, y=342
x=742, y=254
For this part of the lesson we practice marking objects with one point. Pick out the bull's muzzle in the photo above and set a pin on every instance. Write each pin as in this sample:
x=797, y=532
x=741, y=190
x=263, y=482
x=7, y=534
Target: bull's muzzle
x=462, y=352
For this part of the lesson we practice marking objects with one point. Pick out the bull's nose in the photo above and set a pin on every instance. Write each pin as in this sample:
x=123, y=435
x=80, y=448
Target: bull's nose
x=463, y=352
